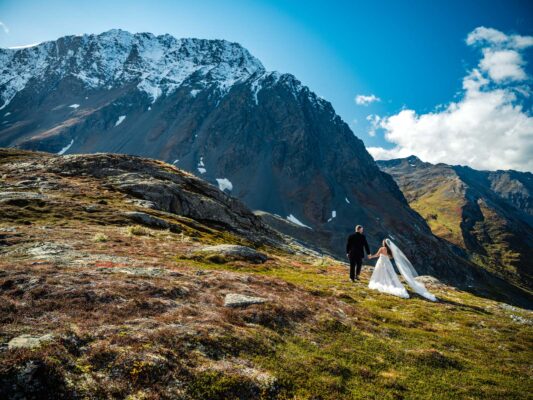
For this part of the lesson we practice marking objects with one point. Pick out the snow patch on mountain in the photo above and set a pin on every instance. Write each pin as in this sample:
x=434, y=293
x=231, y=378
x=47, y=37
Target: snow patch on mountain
x=64, y=149
x=296, y=221
x=224, y=184
x=201, y=166
x=266, y=79
x=333, y=215
x=24, y=46
x=153, y=91
x=120, y=119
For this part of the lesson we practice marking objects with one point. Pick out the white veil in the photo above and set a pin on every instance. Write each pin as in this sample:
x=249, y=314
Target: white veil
x=408, y=271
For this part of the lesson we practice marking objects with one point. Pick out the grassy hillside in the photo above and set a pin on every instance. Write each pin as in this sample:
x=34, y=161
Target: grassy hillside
x=460, y=206
x=442, y=209
x=114, y=309
x=491, y=231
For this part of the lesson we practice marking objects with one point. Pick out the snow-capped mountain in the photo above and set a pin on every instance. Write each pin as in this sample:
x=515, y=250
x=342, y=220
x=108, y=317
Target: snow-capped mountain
x=158, y=65
x=210, y=107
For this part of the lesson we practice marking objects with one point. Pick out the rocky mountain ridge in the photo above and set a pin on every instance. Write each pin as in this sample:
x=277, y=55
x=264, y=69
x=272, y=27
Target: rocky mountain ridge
x=157, y=64
x=486, y=213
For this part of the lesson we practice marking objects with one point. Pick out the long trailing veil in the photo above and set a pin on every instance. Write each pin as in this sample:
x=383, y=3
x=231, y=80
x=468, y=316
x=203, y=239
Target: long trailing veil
x=408, y=271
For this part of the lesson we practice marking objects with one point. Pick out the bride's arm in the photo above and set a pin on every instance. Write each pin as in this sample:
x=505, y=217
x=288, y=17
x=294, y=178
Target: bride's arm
x=377, y=253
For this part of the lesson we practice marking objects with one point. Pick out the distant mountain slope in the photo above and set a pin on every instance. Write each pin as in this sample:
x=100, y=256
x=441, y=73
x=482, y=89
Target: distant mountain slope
x=209, y=107
x=489, y=214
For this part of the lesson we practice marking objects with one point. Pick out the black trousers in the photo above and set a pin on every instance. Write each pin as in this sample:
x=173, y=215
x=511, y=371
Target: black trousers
x=355, y=262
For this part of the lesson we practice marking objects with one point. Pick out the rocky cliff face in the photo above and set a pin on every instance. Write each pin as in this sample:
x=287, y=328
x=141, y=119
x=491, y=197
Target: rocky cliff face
x=211, y=108
x=157, y=193
x=486, y=213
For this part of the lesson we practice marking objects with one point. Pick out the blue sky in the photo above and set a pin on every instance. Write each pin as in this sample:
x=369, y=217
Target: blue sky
x=409, y=54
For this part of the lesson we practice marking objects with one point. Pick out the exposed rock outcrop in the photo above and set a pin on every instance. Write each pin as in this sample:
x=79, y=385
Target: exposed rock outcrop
x=229, y=252
x=241, y=300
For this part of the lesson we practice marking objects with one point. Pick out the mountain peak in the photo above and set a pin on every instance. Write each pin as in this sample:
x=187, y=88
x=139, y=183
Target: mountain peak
x=411, y=161
x=115, y=33
x=159, y=64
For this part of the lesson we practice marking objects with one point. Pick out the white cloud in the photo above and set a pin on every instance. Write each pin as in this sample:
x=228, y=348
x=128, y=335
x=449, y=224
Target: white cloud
x=494, y=37
x=364, y=100
x=4, y=27
x=374, y=123
x=501, y=53
x=503, y=64
x=487, y=128
x=481, y=34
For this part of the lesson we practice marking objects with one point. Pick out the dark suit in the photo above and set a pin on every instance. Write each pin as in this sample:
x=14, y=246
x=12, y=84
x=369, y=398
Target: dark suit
x=355, y=248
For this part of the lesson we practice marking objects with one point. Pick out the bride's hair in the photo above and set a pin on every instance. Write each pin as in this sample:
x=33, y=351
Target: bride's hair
x=389, y=251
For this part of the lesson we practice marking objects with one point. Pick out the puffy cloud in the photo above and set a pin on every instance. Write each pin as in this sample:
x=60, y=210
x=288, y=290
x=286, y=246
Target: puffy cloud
x=374, y=121
x=364, y=100
x=503, y=64
x=501, y=53
x=487, y=128
x=494, y=37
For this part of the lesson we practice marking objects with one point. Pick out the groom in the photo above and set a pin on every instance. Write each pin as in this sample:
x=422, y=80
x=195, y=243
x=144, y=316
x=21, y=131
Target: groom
x=355, y=251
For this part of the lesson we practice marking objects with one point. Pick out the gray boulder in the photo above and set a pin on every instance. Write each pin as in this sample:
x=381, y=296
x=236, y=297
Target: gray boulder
x=229, y=252
x=28, y=341
x=241, y=300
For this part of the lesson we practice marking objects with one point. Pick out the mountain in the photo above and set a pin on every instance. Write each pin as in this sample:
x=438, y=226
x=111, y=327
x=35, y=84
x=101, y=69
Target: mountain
x=486, y=213
x=125, y=277
x=211, y=108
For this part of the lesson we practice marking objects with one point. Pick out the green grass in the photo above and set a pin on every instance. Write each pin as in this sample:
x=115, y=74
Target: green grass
x=463, y=347
x=442, y=212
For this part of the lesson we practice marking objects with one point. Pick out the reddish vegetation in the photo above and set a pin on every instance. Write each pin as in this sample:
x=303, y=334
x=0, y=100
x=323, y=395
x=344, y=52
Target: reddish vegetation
x=124, y=305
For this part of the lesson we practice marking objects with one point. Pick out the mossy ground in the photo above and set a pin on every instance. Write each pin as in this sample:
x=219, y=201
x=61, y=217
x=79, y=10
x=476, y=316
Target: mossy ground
x=133, y=317
x=461, y=347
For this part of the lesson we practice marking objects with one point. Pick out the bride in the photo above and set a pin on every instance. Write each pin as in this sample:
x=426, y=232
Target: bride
x=384, y=277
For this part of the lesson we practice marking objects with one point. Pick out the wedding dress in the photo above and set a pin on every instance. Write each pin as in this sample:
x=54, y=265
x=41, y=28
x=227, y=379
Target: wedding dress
x=385, y=280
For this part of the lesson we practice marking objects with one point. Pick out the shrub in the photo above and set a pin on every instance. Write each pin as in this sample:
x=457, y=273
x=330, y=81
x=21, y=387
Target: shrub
x=100, y=237
x=137, y=230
